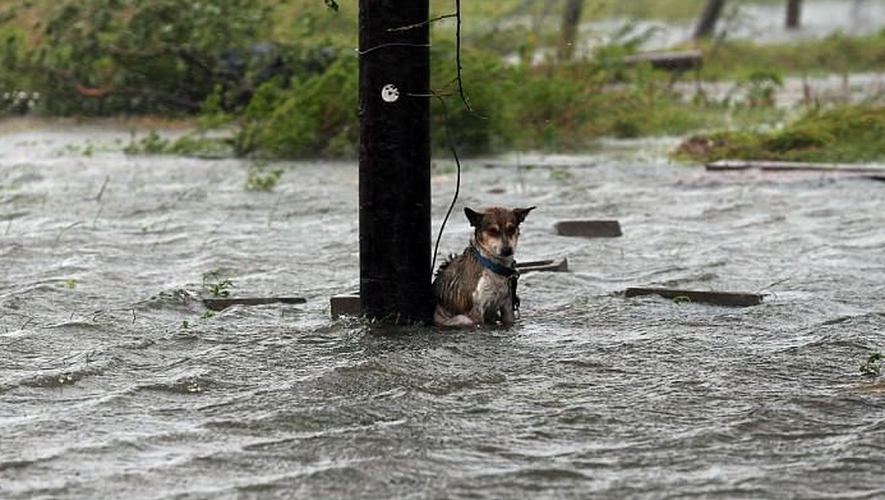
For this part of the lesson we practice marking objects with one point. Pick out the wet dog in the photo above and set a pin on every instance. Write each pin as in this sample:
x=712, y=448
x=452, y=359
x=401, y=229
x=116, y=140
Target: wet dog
x=478, y=287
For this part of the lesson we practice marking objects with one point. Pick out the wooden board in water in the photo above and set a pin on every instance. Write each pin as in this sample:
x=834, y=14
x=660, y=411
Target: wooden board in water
x=219, y=304
x=549, y=265
x=729, y=299
x=588, y=228
x=790, y=166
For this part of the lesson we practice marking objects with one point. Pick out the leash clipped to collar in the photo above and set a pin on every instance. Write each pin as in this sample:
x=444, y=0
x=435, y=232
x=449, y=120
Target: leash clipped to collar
x=510, y=272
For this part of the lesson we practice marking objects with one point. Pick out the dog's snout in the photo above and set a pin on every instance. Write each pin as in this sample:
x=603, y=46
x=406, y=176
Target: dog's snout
x=506, y=251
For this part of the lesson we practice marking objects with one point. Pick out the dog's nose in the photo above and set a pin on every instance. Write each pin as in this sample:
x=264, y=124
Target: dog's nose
x=507, y=251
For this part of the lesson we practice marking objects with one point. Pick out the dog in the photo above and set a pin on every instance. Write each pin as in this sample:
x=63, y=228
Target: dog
x=478, y=287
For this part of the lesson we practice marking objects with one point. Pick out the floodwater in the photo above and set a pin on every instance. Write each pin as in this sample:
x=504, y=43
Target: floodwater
x=761, y=23
x=114, y=383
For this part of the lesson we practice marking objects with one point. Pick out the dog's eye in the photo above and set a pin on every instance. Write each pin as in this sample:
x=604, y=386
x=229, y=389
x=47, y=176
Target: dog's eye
x=493, y=231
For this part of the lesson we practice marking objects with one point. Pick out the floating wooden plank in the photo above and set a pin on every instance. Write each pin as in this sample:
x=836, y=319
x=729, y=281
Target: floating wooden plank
x=219, y=304
x=345, y=305
x=791, y=166
x=588, y=228
x=668, y=61
x=729, y=299
x=549, y=265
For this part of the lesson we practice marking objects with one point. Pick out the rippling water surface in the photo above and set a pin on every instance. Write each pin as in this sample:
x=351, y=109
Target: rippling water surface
x=114, y=383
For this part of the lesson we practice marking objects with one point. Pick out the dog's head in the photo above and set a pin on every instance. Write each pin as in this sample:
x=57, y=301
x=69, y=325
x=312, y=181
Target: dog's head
x=496, y=230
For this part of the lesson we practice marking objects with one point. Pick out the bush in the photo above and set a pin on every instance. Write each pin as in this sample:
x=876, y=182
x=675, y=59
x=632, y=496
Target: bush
x=112, y=56
x=314, y=117
x=842, y=134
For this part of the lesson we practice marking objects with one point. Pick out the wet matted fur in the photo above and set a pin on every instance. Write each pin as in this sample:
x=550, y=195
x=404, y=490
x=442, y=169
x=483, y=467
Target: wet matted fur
x=474, y=288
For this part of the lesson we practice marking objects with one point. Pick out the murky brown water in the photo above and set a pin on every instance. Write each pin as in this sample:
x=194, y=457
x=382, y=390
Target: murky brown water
x=114, y=385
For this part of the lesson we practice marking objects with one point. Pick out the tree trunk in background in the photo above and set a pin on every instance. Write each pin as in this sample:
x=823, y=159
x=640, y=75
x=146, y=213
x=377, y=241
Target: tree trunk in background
x=571, y=22
x=707, y=23
x=794, y=13
x=394, y=166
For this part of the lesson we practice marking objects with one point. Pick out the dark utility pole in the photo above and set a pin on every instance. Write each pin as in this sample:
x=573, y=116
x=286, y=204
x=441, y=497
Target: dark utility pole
x=394, y=170
x=709, y=16
x=794, y=13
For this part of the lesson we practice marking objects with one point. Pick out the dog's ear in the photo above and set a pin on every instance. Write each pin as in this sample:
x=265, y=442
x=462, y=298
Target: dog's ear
x=521, y=213
x=475, y=218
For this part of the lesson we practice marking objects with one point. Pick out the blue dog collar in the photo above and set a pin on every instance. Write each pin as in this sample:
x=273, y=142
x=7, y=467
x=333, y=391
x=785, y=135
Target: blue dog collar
x=492, y=266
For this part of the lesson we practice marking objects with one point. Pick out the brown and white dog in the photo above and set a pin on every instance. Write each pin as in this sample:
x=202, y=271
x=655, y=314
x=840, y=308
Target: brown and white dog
x=479, y=286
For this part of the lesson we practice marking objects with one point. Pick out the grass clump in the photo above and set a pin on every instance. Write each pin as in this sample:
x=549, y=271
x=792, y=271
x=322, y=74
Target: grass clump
x=840, y=134
x=216, y=285
x=259, y=178
x=872, y=367
x=186, y=145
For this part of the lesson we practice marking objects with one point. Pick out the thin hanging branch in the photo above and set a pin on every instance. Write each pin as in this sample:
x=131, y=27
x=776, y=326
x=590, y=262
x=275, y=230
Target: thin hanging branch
x=423, y=23
x=458, y=56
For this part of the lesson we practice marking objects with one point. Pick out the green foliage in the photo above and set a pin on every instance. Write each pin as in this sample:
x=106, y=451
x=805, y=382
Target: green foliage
x=316, y=116
x=510, y=106
x=872, y=367
x=166, y=56
x=760, y=87
x=837, y=53
x=149, y=144
x=841, y=134
x=487, y=80
x=259, y=178
x=108, y=56
x=215, y=285
x=186, y=145
x=797, y=138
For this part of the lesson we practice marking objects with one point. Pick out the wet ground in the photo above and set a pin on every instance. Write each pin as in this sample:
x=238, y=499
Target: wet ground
x=115, y=383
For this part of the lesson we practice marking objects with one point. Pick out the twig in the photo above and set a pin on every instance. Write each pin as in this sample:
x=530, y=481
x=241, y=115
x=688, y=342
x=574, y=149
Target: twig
x=62, y=232
x=97, y=214
x=458, y=55
x=423, y=23
x=101, y=191
x=392, y=44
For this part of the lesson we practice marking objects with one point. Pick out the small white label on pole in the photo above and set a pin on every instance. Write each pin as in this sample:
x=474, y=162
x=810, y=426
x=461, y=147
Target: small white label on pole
x=390, y=93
